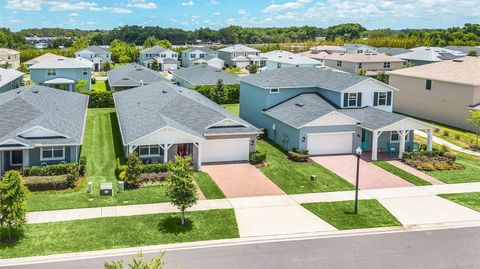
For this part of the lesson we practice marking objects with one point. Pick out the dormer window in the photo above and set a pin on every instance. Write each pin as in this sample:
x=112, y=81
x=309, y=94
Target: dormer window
x=386, y=65
x=339, y=63
x=382, y=98
x=276, y=90
x=352, y=99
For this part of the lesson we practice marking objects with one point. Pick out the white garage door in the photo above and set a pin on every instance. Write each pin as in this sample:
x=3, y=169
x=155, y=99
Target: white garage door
x=226, y=150
x=329, y=143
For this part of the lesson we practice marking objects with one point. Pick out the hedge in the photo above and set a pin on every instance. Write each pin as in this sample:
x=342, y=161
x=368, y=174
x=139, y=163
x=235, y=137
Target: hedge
x=258, y=157
x=46, y=183
x=145, y=168
x=100, y=99
x=231, y=94
x=51, y=170
x=297, y=156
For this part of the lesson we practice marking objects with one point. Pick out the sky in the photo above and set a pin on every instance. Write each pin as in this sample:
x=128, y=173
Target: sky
x=193, y=14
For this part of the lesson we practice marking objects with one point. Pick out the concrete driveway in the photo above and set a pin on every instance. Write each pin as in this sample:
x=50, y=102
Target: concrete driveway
x=241, y=180
x=371, y=176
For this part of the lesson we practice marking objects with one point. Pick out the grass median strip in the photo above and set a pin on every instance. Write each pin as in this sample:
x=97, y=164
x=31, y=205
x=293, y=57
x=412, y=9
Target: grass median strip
x=470, y=200
x=208, y=187
x=371, y=214
x=121, y=232
x=402, y=174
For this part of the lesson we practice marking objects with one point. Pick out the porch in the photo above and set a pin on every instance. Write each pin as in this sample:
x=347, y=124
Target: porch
x=60, y=83
x=163, y=153
x=13, y=159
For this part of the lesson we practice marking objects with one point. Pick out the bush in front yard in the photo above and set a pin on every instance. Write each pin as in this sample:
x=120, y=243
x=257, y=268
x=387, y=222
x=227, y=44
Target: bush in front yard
x=132, y=176
x=154, y=168
x=432, y=160
x=258, y=157
x=298, y=156
x=46, y=183
x=100, y=99
x=49, y=170
x=152, y=178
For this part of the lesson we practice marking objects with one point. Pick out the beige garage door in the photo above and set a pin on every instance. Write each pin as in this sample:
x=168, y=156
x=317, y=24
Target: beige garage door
x=329, y=143
x=226, y=150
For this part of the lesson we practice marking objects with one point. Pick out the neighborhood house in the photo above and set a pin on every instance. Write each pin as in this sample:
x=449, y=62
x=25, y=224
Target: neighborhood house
x=203, y=74
x=97, y=55
x=9, y=58
x=201, y=55
x=165, y=58
x=240, y=56
x=131, y=76
x=10, y=79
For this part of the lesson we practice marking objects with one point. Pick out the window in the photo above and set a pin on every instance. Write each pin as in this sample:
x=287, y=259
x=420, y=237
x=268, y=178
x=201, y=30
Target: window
x=192, y=56
x=279, y=65
x=202, y=55
x=274, y=90
x=428, y=85
x=352, y=99
x=149, y=151
x=174, y=55
x=52, y=153
x=395, y=137
x=16, y=158
x=339, y=63
x=163, y=55
x=85, y=71
x=382, y=99
x=386, y=65
x=359, y=51
x=360, y=65
x=51, y=72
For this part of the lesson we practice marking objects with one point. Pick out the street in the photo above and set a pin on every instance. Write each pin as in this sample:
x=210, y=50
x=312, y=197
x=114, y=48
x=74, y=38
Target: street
x=448, y=248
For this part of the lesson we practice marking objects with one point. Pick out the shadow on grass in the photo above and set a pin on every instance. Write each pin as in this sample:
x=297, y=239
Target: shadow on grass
x=17, y=235
x=172, y=225
x=117, y=139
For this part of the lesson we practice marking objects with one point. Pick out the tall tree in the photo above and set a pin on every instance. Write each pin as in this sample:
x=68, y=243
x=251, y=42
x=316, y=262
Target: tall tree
x=13, y=205
x=219, y=92
x=474, y=120
x=155, y=65
x=80, y=43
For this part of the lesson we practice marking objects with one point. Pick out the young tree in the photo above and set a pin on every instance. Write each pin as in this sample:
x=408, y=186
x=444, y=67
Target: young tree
x=181, y=189
x=150, y=42
x=80, y=43
x=81, y=84
x=107, y=67
x=362, y=72
x=138, y=263
x=155, y=65
x=13, y=205
x=472, y=53
x=474, y=120
x=382, y=77
x=132, y=174
x=253, y=69
x=219, y=92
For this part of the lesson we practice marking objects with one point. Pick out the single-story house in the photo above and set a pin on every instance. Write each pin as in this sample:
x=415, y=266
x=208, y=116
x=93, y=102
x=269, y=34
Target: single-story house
x=40, y=126
x=10, y=79
x=279, y=58
x=161, y=120
x=327, y=112
x=199, y=75
x=426, y=55
x=131, y=76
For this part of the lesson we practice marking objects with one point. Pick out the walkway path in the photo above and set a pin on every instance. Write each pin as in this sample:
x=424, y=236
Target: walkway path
x=440, y=141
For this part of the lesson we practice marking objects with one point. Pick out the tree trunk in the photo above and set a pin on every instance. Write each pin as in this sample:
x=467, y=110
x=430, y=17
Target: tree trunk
x=183, y=217
x=9, y=229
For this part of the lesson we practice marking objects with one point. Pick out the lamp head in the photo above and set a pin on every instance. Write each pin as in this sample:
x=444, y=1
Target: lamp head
x=358, y=151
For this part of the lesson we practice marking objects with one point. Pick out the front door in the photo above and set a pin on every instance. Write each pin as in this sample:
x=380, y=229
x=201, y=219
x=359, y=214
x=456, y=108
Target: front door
x=365, y=138
x=184, y=149
x=16, y=158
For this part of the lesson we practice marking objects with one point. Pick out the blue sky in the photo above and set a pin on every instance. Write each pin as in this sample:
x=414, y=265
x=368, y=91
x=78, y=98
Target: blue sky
x=192, y=14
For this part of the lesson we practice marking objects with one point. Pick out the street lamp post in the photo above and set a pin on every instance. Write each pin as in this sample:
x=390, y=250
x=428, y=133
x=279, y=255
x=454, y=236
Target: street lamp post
x=358, y=151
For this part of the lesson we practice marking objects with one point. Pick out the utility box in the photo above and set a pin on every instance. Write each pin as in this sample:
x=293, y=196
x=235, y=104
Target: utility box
x=313, y=177
x=106, y=189
x=121, y=186
x=90, y=187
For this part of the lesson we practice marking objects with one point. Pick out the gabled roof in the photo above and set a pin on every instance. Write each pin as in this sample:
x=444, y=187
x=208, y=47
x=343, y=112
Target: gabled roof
x=28, y=107
x=356, y=46
x=289, y=58
x=144, y=110
x=203, y=74
x=95, y=49
x=464, y=49
x=238, y=48
x=392, y=51
x=62, y=63
x=204, y=49
x=430, y=54
x=8, y=75
x=44, y=57
x=296, y=77
x=354, y=57
x=153, y=50
x=133, y=75
x=8, y=51
x=372, y=118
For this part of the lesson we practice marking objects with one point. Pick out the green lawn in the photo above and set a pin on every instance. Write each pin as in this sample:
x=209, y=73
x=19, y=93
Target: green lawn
x=208, y=187
x=340, y=214
x=402, y=173
x=293, y=177
x=471, y=173
x=471, y=200
x=121, y=232
x=99, y=86
x=233, y=108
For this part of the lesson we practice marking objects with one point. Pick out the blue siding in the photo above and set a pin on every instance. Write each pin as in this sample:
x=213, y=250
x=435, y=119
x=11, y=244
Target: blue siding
x=39, y=76
x=11, y=85
x=333, y=96
x=71, y=153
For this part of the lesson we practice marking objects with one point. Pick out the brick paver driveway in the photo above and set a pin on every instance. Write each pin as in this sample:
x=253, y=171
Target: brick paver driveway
x=241, y=180
x=371, y=176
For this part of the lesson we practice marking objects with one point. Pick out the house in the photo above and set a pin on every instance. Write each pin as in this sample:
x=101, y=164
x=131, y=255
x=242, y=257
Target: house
x=392, y=51
x=166, y=59
x=131, y=76
x=48, y=129
x=464, y=49
x=201, y=55
x=97, y=55
x=42, y=58
x=326, y=112
x=359, y=48
x=443, y=92
x=240, y=56
x=199, y=75
x=372, y=63
x=10, y=79
x=279, y=58
x=328, y=49
x=62, y=73
x=10, y=58
x=160, y=121
x=426, y=55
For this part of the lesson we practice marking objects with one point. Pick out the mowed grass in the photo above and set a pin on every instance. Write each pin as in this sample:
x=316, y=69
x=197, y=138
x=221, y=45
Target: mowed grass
x=99, y=86
x=340, y=215
x=121, y=232
x=471, y=200
x=471, y=173
x=208, y=187
x=232, y=108
x=402, y=173
x=293, y=177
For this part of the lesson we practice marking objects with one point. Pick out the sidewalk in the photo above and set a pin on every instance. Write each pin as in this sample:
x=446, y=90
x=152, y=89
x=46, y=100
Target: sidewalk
x=448, y=144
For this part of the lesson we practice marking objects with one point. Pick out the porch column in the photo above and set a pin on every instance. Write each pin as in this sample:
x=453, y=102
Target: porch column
x=1, y=162
x=165, y=153
x=374, y=145
x=429, y=139
x=26, y=158
x=401, y=146
x=199, y=158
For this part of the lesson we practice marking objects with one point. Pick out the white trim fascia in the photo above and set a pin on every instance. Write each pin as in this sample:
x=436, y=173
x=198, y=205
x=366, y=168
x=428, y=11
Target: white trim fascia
x=14, y=141
x=52, y=158
x=331, y=133
x=118, y=120
x=9, y=149
x=85, y=120
x=386, y=128
x=55, y=145
x=223, y=134
x=163, y=128
x=225, y=119
x=331, y=112
x=368, y=80
x=45, y=129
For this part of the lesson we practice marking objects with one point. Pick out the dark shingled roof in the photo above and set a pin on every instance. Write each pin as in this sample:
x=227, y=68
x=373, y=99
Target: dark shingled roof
x=133, y=75
x=203, y=74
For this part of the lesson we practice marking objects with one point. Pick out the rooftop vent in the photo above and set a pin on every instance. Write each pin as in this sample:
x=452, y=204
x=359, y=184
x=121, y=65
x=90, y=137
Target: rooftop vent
x=300, y=104
x=35, y=91
x=218, y=70
x=164, y=91
x=458, y=60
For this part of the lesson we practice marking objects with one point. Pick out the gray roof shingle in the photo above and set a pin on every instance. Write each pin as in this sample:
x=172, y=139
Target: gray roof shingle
x=146, y=109
x=60, y=111
x=153, y=50
x=203, y=74
x=204, y=49
x=133, y=75
x=373, y=118
x=96, y=49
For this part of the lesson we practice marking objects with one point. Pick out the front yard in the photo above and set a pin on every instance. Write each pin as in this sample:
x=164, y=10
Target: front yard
x=401, y=173
x=471, y=173
x=471, y=200
x=294, y=178
x=121, y=232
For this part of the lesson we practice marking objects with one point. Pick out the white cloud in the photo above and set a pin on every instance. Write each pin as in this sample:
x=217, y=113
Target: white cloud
x=242, y=11
x=217, y=14
x=91, y=23
x=214, y=2
x=143, y=4
x=188, y=3
x=73, y=14
x=60, y=5
x=23, y=5
x=16, y=21
x=288, y=5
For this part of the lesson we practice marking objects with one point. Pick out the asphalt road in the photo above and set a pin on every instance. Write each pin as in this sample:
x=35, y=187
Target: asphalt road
x=450, y=248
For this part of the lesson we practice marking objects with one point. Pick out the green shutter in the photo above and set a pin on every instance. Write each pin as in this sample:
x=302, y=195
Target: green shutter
x=375, y=99
x=345, y=100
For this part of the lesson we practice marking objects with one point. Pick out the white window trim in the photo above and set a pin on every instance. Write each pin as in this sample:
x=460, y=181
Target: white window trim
x=273, y=92
x=407, y=138
x=386, y=99
x=149, y=150
x=52, y=158
x=15, y=164
x=356, y=99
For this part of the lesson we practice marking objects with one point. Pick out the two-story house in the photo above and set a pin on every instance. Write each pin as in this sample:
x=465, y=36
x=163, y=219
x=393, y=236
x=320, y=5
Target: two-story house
x=241, y=56
x=201, y=55
x=62, y=73
x=97, y=55
x=326, y=112
x=166, y=59
x=48, y=129
x=9, y=58
x=359, y=48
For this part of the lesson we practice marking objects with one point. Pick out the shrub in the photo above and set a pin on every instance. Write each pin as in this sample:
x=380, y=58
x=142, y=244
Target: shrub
x=446, y=133
x=46, y=183
x=153, y=177
x=100, y=99
x=132, y=176
x=264, y=134
x=153, y=168
x=432, y=160
x=122, y=175
x=258, y=157
x=451, y=155
x=297, y=157
x=82, y=166
x=49, y=170
x=457, y=137
x=427, y=166
x=444, y=149
x=437, y=130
